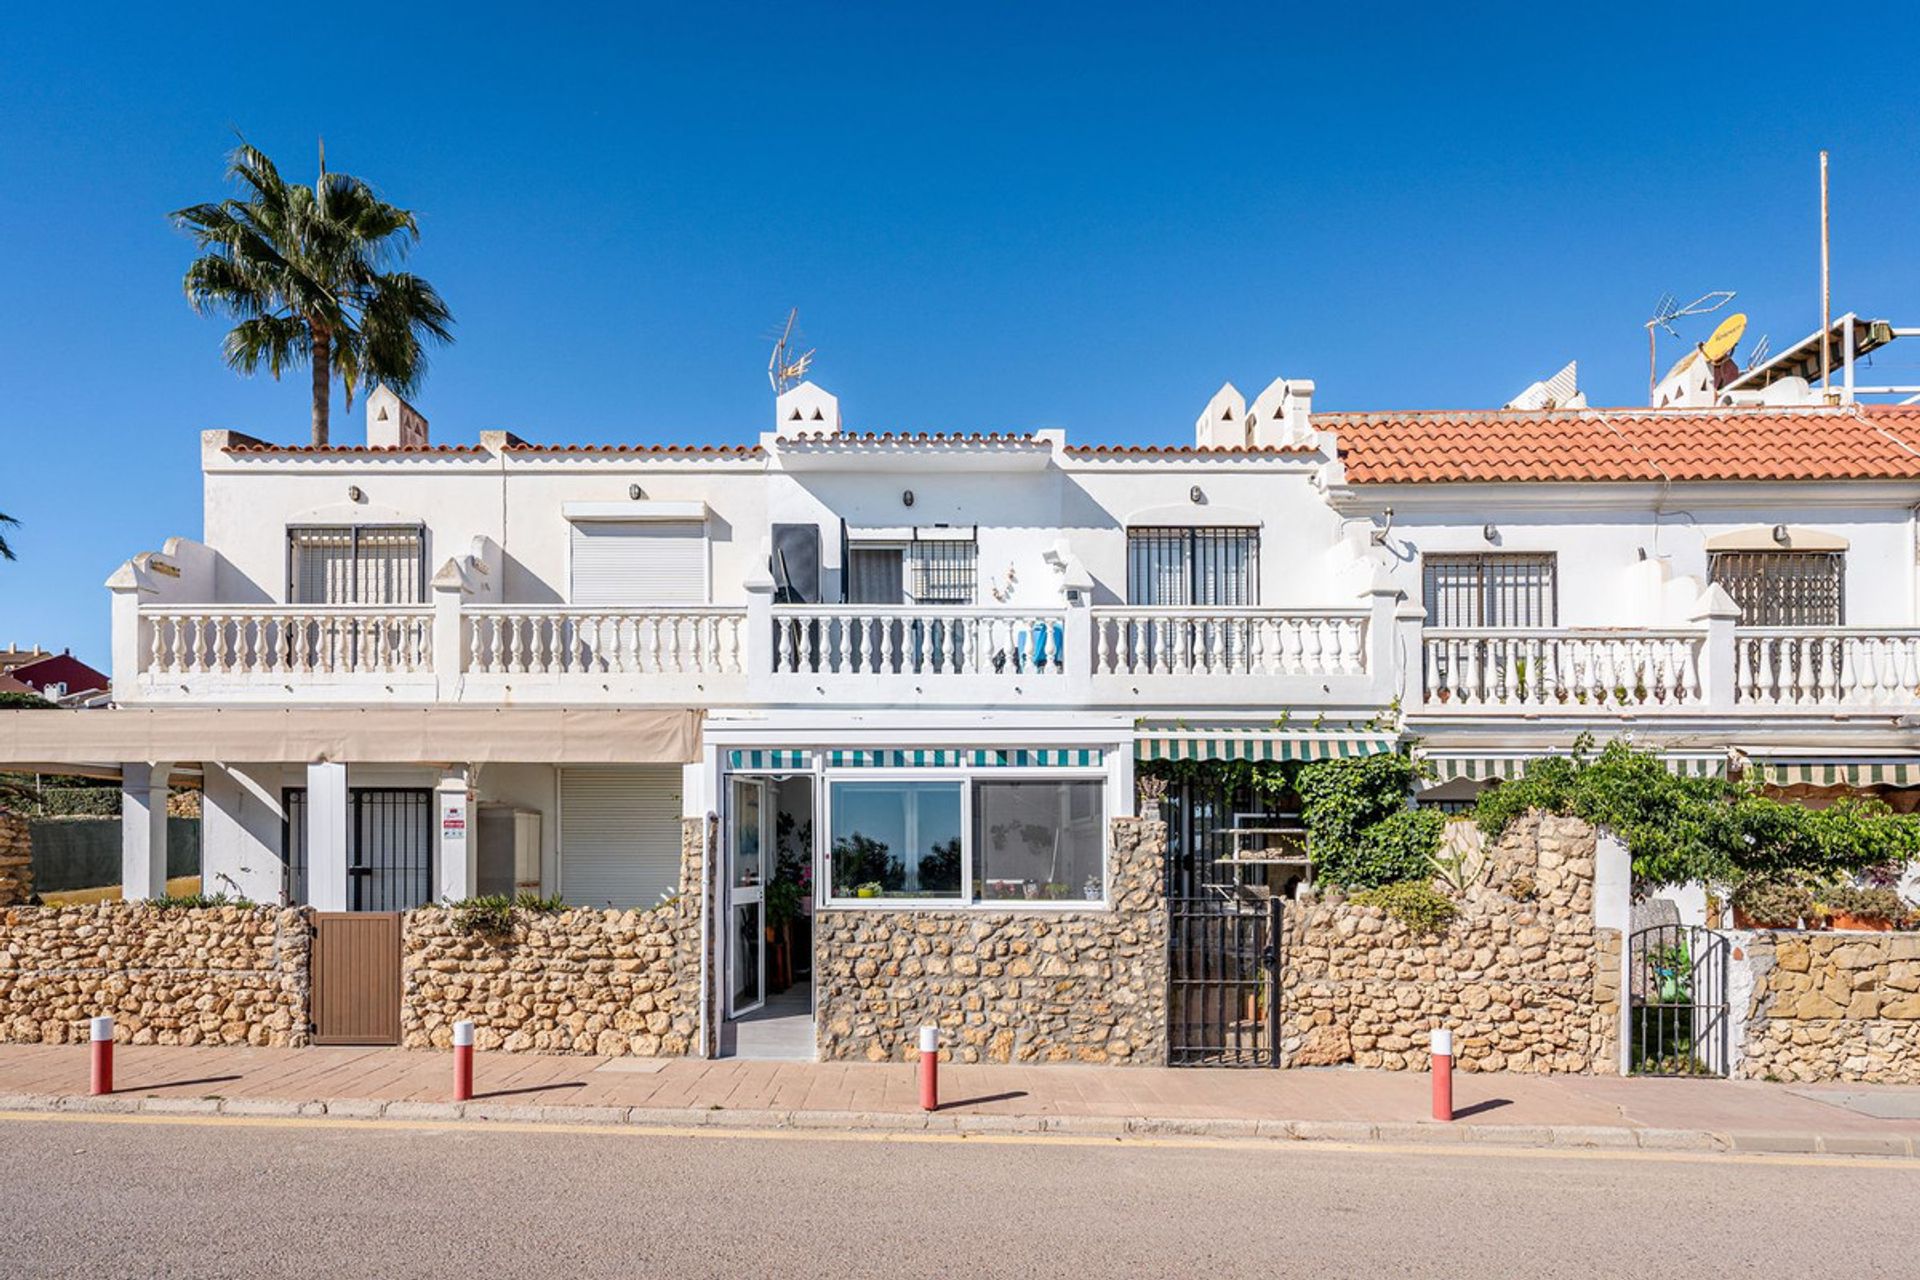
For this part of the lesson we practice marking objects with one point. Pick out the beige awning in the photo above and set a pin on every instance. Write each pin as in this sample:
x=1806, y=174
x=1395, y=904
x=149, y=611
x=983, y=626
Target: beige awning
x=263, y=735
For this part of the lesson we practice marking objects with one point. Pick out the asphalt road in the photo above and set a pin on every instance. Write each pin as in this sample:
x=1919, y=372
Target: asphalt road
x=121, y=1197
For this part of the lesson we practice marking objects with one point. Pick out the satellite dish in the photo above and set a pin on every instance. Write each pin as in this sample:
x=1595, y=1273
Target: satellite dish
x=1725, y=338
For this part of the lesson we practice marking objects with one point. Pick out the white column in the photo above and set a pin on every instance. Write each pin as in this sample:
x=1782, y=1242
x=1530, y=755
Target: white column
x=1720, y=615
x=327, y=836
x=456, y=856
x=143, y=830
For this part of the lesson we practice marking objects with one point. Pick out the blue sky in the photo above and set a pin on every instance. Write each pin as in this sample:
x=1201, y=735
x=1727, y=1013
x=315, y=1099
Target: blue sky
x=990, y=217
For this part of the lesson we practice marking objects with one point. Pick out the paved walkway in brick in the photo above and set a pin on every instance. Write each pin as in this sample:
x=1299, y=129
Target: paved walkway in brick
x=1043, y=1095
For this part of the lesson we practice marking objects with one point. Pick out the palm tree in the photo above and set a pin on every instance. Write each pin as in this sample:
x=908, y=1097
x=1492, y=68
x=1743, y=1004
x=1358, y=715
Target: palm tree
x=303, y=271
x=6, y=552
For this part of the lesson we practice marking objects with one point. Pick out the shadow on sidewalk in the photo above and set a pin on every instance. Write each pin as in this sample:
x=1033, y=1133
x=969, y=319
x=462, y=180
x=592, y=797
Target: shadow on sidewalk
x=532, y=1088
x=175, y=1084
x=1461, y=1113
x=981, y=1100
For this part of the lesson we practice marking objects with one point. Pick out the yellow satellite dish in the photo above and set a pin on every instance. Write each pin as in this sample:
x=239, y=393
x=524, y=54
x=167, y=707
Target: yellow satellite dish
x=1725, y=338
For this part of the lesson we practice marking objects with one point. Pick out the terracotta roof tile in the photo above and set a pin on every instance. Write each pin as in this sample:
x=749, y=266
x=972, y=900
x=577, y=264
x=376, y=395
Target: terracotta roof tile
x=1863, y=442
x=349, y=450
x=697, y=450
x=1184, y=450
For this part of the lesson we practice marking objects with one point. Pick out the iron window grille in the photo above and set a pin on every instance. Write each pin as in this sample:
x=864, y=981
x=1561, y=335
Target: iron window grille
x=1208, y=567
x=389, y=847
x=942, y=572
x=1783, y=588
x=357, y=564
x=1496, y=589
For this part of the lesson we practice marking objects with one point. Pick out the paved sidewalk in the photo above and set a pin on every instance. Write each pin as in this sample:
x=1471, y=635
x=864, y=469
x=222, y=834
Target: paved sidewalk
x=1328, y=1104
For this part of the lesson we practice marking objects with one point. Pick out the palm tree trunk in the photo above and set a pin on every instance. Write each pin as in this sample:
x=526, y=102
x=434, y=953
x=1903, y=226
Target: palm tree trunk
x=322, y=362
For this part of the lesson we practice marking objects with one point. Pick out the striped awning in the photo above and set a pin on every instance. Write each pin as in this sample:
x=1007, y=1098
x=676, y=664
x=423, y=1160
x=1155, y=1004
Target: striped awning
x=948, y=758
x=1260, y=745
x=769, y=760
x=1484, y=766
x=1859, y=772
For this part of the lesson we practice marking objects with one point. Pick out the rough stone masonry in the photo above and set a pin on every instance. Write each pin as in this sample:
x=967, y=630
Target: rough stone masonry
x=1833, y=1006
x=1522, y=976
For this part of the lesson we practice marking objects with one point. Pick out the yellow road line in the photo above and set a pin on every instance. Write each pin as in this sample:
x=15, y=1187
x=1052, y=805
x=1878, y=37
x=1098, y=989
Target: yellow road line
x=1187, y=1143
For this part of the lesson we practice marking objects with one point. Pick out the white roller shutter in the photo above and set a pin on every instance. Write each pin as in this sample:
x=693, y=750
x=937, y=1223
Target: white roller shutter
x=626, y=562
x=619, y=834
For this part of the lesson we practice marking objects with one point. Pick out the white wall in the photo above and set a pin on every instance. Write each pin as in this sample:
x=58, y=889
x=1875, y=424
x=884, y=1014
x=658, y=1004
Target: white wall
x=240, y=830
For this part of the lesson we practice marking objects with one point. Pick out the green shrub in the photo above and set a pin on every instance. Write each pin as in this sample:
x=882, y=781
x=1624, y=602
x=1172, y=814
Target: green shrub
x=194, y=901
x=492, y=914
x=1877, y=904
x=1399, y=847
x=1773, y=902
x=1360, y=828
x=1680, y=829
x=1414, y=903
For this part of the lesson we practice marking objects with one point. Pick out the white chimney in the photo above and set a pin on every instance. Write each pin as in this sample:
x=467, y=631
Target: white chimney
x=806, y=410
x=393, y=423
x=1280, y=415
x=1223, y=423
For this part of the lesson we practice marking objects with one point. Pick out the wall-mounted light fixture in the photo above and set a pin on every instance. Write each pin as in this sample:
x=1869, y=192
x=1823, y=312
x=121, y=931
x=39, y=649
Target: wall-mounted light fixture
x=1490, y=533
x=1195, y=496
x=355, y=493
x=1780, y=535
x=906, y=498
x=635, y=492
x=1379, y=536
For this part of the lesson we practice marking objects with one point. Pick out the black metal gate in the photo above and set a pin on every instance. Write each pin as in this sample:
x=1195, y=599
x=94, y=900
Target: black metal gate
x=389, y=847
x=1223, y=982
x=1677, y=1023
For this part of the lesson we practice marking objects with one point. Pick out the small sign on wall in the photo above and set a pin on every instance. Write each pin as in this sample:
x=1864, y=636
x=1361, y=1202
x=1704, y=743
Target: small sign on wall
x=453, y=822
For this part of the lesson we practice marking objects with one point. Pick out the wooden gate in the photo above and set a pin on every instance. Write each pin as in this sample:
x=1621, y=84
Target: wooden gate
x=356, y=977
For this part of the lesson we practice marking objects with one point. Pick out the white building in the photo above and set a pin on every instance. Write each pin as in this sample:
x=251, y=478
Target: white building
x=407, y=672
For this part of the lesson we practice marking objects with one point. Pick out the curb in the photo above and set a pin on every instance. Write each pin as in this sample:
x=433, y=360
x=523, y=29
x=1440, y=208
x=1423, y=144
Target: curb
x=1419, y=1133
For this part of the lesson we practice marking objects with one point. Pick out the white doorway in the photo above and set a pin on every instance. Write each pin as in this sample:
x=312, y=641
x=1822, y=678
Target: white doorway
x=768, y=917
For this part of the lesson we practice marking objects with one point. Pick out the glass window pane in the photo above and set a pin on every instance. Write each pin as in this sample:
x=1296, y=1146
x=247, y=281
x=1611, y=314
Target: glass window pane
x=896, y=840
x=1039, y=840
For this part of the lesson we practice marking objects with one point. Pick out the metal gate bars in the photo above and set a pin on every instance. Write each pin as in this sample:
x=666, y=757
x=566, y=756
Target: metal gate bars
x=1223, y=982
x=1677, y=1023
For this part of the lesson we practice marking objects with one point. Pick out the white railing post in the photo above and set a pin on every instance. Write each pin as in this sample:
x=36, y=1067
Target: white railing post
x=1076, y=645
x=449, y=656
x=756, y=651
x=1720, y=615
x=127, y=647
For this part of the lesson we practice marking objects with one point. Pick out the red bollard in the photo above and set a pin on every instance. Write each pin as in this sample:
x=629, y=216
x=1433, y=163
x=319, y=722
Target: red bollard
x=929, y=1068
x=463, y=1062
x=101, y=1034
x=1442, y=1074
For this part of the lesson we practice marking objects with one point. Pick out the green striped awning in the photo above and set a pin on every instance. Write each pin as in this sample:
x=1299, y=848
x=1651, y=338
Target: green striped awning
x=946, y=758
x=769, y=760
x=1483, y=766
x=1039, y=758
x=914, y=759
x=1882, y=772
x=1259, y=745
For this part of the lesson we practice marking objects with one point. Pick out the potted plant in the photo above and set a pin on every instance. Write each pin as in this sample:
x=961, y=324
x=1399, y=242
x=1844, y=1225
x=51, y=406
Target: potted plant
x=1770, y=902
x=871, y=889
x=1874, y=909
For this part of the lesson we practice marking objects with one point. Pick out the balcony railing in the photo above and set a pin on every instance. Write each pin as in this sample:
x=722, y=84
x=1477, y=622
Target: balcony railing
x=1521, y=669
x=1826, y=666
x=879, y=640
x=1229, y=642
x=699, y=640
x=280, y=641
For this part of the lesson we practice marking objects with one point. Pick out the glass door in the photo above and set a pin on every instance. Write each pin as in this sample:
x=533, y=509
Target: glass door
x=749, y=850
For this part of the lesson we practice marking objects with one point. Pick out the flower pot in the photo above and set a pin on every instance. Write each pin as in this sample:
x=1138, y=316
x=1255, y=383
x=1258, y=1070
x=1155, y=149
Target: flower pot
x=1841, y=920
x=1741, y=920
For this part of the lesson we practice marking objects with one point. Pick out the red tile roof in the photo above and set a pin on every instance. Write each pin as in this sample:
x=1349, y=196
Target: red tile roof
x=709, y=450
x=1186, y=450
x=1863, y=442
x=249, y=445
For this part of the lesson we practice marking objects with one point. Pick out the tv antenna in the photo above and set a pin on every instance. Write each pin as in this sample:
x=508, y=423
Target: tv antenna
x=1665, y=312
x=1761, y=350
x=784, y=368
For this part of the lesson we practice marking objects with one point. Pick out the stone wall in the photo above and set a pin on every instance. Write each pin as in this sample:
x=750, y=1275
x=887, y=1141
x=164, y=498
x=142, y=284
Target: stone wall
x=213, y=975
x=1005, y=985
x=16, y=858
x=1522, y=976
x=1833, y=1006
x=580, y=981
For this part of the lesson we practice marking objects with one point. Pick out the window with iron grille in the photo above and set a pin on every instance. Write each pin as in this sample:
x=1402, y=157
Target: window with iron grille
x=1505, y=589
x=356, y=564
x=1170, y=567
x=1784, y=588
x=923, y=571
x=389, y=847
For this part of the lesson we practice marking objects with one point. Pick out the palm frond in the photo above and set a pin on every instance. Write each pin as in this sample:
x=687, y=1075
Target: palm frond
x=278, y=342
x=6, y=552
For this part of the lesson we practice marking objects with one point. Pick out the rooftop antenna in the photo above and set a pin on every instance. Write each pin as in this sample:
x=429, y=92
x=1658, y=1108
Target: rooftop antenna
x=1761, y=350
x=785, y=369
x=1665, y=312
x=1826, y=290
